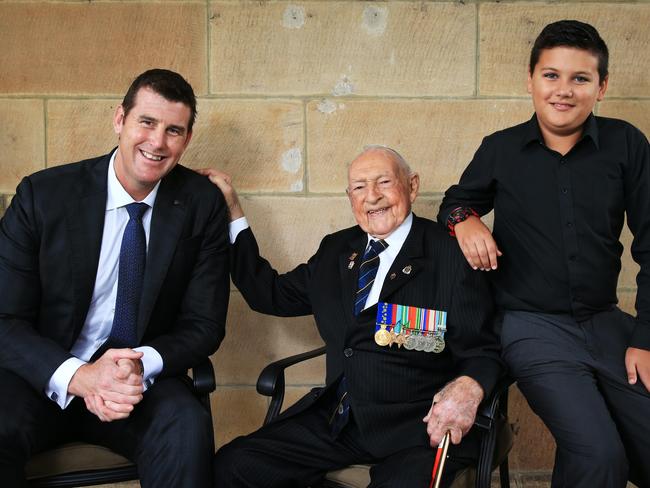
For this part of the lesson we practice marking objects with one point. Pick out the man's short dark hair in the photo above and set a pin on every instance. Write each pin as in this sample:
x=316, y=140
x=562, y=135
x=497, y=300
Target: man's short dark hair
x=168, y=84
x=572, y=33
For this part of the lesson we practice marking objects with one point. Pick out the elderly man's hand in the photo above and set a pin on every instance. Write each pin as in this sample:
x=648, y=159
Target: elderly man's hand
x=112, y=385
x=477, y=244
x=224, y=182
x=454, y=410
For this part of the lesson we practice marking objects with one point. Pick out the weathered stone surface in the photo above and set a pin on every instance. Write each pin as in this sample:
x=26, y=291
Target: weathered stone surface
x=636, y=112
x=236, y=411
x=508, y=31
x=22, y=140
x=437, y=137
x=99, y=47
x=260, y=143
x=343, y=48
x=79, y=129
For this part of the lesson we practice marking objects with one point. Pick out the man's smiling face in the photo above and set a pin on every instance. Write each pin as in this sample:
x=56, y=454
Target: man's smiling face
x=381, y=192
x=153, y=136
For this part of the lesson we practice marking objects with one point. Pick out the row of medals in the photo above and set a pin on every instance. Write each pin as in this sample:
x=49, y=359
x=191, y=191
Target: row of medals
x=416, y=340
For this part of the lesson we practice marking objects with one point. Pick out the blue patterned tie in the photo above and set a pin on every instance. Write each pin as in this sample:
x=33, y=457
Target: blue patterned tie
x=133, y=255
x=367, y=273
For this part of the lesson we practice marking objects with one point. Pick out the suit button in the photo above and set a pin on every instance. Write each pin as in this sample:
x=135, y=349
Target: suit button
x=348, y=352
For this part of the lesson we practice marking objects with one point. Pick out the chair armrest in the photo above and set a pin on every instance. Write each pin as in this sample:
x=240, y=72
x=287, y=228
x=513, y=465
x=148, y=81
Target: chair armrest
x=489, y=408
x=271, y=380
x=203, y=379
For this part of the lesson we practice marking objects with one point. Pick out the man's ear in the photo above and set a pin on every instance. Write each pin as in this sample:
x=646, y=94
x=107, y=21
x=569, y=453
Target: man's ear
x=414, y=182
x=118, y=119
x=602, y=88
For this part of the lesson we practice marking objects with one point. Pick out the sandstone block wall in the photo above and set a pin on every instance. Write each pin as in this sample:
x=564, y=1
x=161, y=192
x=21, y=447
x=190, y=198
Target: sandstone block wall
x=289, y=92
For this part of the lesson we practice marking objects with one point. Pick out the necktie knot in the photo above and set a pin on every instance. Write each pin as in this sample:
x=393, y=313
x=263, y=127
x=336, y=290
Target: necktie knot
x=378, y=245
x=136, y=210
x=367, y=273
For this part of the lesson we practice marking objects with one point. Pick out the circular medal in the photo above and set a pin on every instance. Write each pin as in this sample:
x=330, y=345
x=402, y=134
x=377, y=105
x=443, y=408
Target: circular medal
x=410, y=342
x=430, y=344
x=419, y=343
x=382, y=337
x=440, y=345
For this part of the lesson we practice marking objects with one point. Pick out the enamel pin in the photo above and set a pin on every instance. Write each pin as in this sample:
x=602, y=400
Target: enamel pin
x=407, y=269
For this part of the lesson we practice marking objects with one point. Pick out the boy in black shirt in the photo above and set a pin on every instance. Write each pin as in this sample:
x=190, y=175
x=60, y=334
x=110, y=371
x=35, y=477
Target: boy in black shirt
x=561, y=185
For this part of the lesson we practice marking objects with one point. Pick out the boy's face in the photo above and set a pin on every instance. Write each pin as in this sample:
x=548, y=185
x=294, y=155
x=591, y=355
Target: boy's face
x=565, y=87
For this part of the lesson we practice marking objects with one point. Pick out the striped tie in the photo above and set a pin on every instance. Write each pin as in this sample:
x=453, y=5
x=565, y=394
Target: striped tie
x=367, y=273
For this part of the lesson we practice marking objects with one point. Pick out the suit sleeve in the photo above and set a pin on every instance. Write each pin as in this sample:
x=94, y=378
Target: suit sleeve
x=201, y=322
x=263, y=288
x=471, y=336
x=20, y=295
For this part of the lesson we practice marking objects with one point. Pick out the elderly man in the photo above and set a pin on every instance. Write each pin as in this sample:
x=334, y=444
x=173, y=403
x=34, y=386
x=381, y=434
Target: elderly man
x=113, y=282
x=405, y=322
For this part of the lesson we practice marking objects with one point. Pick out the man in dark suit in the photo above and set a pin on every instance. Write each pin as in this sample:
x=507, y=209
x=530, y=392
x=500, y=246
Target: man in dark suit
x=113, y=282
x=382, y=372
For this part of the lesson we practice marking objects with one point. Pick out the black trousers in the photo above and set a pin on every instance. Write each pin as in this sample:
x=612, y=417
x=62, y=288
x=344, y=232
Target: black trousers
x=168, y=435
x=573, y=376
x=297, y=451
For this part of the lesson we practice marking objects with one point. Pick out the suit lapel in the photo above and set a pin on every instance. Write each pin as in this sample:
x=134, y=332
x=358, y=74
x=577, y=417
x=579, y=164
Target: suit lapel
x=349, y=262
x=166, y=226
x=85, y=225
x=407, y=263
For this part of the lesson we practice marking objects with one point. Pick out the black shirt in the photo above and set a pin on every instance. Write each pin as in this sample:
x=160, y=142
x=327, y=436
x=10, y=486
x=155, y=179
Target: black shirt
x=558, y=219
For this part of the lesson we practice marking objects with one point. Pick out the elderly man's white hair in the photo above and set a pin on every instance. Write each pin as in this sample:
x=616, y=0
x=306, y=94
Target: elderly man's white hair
x=390, y=152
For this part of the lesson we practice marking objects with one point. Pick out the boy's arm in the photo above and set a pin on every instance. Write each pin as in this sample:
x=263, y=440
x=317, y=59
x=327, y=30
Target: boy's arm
x=463, y=205
x=637, y=207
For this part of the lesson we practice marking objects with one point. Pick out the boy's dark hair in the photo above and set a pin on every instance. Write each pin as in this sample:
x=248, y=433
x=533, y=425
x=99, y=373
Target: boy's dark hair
x=168, y=84
x=572, y=33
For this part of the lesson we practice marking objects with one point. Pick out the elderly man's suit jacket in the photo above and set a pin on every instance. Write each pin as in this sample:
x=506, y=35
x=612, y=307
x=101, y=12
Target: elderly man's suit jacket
x=390, y=389
x=50, y=240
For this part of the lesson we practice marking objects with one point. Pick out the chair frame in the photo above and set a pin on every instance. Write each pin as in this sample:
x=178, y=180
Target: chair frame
x=491, y=412
x=203, y=383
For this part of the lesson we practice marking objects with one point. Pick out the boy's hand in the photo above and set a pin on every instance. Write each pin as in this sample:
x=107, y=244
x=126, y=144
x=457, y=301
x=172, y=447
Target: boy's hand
x=224, y=182
x=477, y=244
x=637, y=363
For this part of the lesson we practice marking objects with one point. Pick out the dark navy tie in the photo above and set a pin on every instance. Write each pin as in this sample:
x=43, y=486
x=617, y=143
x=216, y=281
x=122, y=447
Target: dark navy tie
x=133, y=255
x=367, y=273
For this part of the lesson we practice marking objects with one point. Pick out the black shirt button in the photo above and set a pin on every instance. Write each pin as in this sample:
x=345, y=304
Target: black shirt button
x=569, y=224
x=565, y=191
x=348, y=352
x=562, y=161
x=572, y=258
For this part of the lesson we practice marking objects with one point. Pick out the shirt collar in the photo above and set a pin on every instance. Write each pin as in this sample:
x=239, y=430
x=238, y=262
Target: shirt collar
x=396, y=238
x=117, y=196
x=534, y=134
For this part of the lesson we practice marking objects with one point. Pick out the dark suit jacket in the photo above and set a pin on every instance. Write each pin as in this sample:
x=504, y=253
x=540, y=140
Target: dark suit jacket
x=50, y=239
x=390, y=389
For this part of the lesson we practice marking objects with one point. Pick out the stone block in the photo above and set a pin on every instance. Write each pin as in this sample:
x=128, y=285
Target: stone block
x=79, y=129
x=343, y=48
x=437, y=137
x=258, y=142
x=21, y=139
x=99, y=47
x=236, y=411
x=508, y=31
x=253, y=340
x=629, y=268
x=636, y=112
x=534, y=447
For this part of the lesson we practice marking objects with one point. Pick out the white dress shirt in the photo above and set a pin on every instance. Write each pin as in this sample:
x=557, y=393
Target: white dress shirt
x=395, y=242
x=99, y=320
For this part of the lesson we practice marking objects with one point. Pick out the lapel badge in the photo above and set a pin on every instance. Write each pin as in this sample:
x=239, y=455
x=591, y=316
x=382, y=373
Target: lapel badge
x=351, y=265
x=393, y=276
x=407, y=269
x=352, y=258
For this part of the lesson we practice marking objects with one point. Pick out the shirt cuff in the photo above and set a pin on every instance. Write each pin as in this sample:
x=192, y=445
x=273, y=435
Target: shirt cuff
x=57, y=388
x=236, y=226
x=152, y=364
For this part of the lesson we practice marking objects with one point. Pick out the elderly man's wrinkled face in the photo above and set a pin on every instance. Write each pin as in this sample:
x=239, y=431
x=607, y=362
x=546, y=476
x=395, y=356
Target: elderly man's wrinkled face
x=380, y=192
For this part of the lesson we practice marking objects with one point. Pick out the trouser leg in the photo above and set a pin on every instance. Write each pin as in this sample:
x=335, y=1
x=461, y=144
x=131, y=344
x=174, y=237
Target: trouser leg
x=169, y=436
x=29, y=423
x=547, y=356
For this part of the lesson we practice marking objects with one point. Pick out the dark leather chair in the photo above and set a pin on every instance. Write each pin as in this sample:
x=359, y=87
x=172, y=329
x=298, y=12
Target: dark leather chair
x=81, y=464
x=491, y=419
